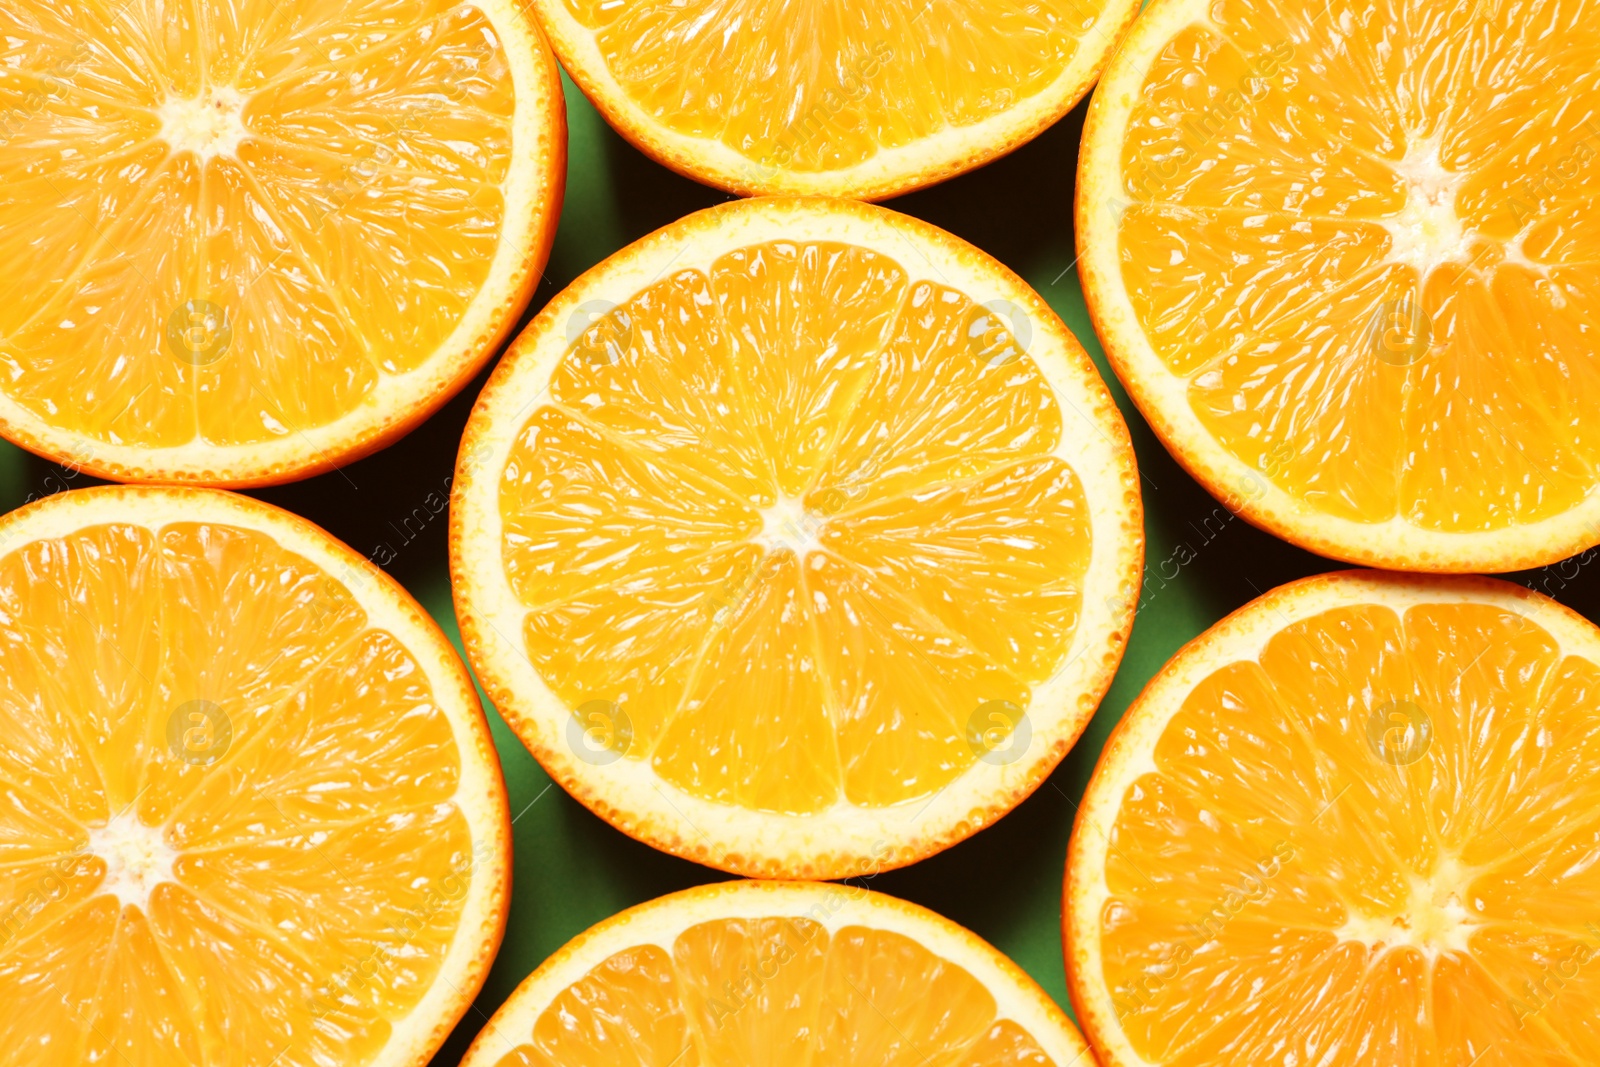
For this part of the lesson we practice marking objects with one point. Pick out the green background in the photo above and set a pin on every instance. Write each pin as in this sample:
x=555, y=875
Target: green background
x=572, y=869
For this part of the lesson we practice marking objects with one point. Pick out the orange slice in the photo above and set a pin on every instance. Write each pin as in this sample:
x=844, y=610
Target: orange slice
x=1343, y=256
x=1355, y=822
x=250, y=812
x=799, y=538
x=829, y=97
x=251, y=240
x=755, y=974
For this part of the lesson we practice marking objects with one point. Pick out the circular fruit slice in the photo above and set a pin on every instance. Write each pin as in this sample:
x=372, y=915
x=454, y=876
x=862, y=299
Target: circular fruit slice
x=798, y=538
x=831, y=97
x=1348, y=281
x=751, y=974
x=1354, y=822
x=252, y=240
x=249, y=807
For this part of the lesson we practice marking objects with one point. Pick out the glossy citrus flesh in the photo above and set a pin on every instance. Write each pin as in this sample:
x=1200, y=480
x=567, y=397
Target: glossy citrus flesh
x=1359, y=255
x=757, y=991
x=233, y=223
x=798, y=529
x=1375, y=838
x=832, y=96
x=839, y=999
x=231, y=828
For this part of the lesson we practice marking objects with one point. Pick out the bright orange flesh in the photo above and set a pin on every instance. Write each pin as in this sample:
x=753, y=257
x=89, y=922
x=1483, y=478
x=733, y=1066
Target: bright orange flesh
x=1361, y=237
x=228, y=831
x=764, y=992
x=232, y=221
x=812, y=97
x=798, y=526
x=967, y=62
x=1376, y=839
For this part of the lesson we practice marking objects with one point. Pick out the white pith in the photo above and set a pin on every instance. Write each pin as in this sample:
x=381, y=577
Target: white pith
x=1434, y=920
x=787, y=524
x=137, y=858
x=1427, y=233
x=208, y=125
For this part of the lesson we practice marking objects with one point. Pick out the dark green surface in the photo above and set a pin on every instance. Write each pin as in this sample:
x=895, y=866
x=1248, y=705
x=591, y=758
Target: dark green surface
x=572, y=869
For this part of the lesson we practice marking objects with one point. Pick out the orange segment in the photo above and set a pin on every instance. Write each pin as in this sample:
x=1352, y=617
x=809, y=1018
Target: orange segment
x=772, y=973
x=284, y=885
x=583, y=512
x=812, y=319
x=250, y=653
x=905, y=691
x=251, y=812
x=628, y=1006
x=771, y=1021
x=54, y=983
x=1343, y=272
x=68, y=346
x=907, y=432
x=829, y=97
x=640, y=647
x=72, y=591
x=258, y=990
x=301, y=772
x=263, y=238
x=1338, y=822
x=789, y=516
x=257, y=388
x=915, y=1001
x=669, y=389
x=998, y=581
x=140, y=1015
x=753, y=729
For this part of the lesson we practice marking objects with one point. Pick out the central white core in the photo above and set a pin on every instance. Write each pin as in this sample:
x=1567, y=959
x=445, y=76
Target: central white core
x=1434, y=919
x=787, y=524
x=137, y=858
x=207, y=125
x=1427, y=232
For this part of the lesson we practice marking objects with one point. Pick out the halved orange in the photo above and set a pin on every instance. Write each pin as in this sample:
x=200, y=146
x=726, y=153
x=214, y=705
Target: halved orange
x=1344, y=256
x=830, y=97
x=1356, y=822
x=250, y=812
x=799, y=538
x=755, y=974
x=251, y=240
